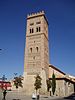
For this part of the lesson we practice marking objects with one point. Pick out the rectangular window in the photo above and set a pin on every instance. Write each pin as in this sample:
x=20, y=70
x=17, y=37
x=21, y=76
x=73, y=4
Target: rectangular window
x=38, y=22
x=31, y=24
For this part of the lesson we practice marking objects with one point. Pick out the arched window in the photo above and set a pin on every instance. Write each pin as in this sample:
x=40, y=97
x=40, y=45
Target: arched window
x=37, y=49
x=31, y=50
x=31, y=30
x=39, y=29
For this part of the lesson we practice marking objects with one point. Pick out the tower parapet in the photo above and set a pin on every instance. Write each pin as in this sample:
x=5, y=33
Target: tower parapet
x=35, y=14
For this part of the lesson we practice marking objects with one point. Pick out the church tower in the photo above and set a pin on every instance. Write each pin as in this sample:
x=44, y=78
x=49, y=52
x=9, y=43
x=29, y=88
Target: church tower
x=36, y=59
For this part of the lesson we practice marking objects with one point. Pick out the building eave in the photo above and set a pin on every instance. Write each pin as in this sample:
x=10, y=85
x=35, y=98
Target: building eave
x=63, y=78
x=56, y=69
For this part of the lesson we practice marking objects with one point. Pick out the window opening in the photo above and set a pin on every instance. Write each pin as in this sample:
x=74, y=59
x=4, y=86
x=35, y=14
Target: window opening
x=34, y=57
x=38, y=22
x=31, y=24
x=39, y=29
x=37, y=49
x=30, y=30
x=31, y=50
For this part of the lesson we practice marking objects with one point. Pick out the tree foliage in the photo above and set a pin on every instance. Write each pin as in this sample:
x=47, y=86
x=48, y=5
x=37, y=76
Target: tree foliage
x=18, y=81
x=37, y=83
x=53, y=83
x=48, y=84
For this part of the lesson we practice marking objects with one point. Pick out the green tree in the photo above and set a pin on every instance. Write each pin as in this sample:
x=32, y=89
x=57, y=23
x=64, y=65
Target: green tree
x=53, y=83
x=18, y=81
x=48, y=84
x=37, y=83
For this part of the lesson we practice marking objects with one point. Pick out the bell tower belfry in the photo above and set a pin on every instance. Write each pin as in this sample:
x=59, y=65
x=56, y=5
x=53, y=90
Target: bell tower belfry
x=36, y=59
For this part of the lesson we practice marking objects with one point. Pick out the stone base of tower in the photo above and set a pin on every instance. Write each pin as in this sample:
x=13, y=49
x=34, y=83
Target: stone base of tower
x=28, y=84
x=43, y=89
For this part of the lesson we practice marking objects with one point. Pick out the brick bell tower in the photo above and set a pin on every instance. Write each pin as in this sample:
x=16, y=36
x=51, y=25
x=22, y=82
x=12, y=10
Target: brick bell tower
x=36, y=59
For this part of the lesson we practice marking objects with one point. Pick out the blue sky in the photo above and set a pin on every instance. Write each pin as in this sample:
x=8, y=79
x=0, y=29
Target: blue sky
x=61, y=19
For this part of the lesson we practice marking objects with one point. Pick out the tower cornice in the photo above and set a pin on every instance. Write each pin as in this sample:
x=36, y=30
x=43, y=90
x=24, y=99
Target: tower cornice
x=37, y=34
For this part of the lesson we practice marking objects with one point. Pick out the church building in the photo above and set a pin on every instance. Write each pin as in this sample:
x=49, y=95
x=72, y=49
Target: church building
x=36, y=59
x=65, y=84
